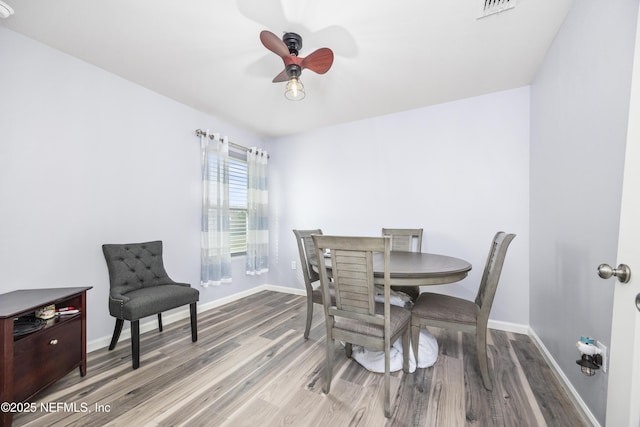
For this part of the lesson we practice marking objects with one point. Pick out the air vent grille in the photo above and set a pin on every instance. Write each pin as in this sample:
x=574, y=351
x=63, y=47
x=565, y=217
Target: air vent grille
x=5, y=10
x=489, y=7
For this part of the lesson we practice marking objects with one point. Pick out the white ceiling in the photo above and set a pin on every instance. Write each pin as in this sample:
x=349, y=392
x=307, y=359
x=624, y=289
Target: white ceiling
x=390, y=56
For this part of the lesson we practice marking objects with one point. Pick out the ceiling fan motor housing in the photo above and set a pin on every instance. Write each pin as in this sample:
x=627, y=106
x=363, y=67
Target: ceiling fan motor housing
x=293, y=42
x=293, y=70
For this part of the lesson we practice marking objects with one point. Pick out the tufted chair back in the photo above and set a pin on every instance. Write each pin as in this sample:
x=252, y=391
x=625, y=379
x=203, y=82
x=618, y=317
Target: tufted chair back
x=136, y=265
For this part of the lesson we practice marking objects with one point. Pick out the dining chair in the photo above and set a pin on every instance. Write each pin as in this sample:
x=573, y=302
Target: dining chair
x=140, y=287
x=406, y=240
x=307, y=252
x=444, y=311
x=355, y=317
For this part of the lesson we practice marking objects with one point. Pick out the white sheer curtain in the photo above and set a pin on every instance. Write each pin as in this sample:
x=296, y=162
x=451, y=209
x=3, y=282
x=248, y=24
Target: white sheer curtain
x=257, y=212
x=215, y=252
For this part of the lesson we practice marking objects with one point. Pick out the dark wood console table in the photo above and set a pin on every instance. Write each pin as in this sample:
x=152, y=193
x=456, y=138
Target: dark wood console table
x=34, y=361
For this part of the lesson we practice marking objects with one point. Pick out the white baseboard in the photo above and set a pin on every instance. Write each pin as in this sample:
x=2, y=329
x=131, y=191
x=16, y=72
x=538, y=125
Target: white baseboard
x=284, y=289
x=508, y=327
x=563, y=378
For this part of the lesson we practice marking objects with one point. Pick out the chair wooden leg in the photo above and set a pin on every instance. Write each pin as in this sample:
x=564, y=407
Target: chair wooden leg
x=415, y=339
x=406, y=339
x=159, y=322
x=116, y=333
x=307, y=326
x=329, y=368
x=481, y=343
x=135, y=343
x=194, y=322
x=387, y=378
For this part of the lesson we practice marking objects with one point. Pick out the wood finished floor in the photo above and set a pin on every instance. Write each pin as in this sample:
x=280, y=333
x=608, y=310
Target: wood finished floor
x=251, y=367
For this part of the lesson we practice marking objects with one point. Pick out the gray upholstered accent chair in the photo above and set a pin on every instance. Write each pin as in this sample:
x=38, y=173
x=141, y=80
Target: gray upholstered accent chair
x=444, y=311
x=140, y=287
x=356, y=318
x=407, y=240
x=307, y=252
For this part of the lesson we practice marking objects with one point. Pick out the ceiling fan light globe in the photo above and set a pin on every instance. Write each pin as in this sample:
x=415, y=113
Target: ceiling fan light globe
x=294, y=91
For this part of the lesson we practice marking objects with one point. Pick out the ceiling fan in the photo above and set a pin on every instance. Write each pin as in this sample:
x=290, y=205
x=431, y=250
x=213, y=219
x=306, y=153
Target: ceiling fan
x=319, y=61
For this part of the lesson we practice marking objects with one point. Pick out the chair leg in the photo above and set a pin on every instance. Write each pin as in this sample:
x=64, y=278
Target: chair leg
x=387, y=378
x=116, y=334
x=348, y=349
x=307, y=326
x=194, y=322
x=135, y=343
x=406, y=339
x=481, y=343
x=415, y=340
x=159, y=322
x=329, y=368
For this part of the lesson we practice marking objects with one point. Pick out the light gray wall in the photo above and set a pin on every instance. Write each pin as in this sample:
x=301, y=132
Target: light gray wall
x=88, y=158
x=579, y=111
x=459, y=170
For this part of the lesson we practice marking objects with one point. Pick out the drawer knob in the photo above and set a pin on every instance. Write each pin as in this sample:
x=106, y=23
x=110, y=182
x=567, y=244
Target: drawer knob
x=53, y=342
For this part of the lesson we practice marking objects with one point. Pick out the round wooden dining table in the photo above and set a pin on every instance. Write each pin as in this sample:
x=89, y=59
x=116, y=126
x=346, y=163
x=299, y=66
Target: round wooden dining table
x=417, y=268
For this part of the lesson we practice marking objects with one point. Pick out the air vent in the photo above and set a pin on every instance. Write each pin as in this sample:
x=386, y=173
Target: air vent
x=5, y=10
x=490, y=7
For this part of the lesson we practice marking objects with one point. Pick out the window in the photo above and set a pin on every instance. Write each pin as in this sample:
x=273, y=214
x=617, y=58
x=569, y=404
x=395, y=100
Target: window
x=237, y=203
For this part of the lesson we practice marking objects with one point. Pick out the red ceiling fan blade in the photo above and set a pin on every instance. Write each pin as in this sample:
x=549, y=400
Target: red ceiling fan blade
x=274, y=44
x=282, y=77
x=319, y=61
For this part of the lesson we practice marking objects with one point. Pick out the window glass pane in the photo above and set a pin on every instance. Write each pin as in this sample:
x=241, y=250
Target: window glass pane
x=238, y=205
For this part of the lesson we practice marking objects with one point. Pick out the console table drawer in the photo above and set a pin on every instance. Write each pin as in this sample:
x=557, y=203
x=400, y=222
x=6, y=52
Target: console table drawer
x=42, y=358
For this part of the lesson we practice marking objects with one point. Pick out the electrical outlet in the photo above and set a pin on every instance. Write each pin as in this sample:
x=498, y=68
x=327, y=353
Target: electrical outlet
x=603, y=349
x=293, y=265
